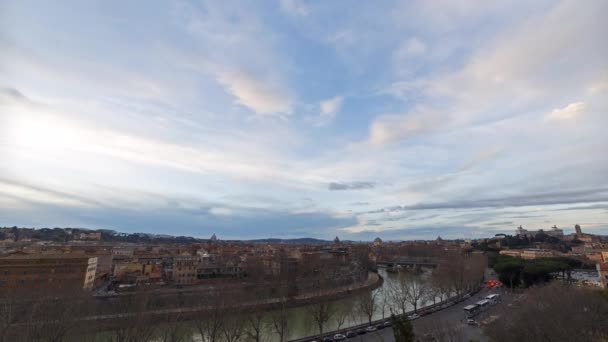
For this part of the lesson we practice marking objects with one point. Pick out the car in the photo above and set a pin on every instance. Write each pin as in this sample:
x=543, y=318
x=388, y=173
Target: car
x=361, y=331
x=371, y=328
x=413, y=317
x=379, y=326
x=327, y=339
x=350, y=334
x=387, y=323
x=339, y=337
x=472, y=322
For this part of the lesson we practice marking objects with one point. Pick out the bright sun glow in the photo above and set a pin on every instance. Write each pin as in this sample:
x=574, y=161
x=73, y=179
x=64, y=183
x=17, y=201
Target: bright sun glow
x=43, y=134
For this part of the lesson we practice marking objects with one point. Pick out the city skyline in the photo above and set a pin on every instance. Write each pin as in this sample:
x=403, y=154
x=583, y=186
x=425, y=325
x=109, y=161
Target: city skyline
x=296, y=119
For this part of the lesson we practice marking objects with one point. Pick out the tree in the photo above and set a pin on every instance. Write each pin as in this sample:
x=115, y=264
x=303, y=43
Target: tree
x=366, y=305
x=553, y=312
x=210, y=318
x=320, y=313
x=278, y=317
x=402, y=328
x=509, y=271
x=135, y=325
x=410, y=289
x=382, y=300
x=233, y=328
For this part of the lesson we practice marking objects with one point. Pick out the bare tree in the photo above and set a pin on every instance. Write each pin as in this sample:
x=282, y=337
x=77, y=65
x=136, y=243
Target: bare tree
x=320, y=313
x=8, y=314
x=366, y=305
x=233, y=327
x=408, y=289
x=172, y=331
x=210, y=318
x=134, y=322
x=553, y=312
x=255, y=325
x=341, y=313
x=279, y=316
x=383, y=300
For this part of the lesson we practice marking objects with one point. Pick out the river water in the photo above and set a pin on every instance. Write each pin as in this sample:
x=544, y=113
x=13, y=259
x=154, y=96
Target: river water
x=300, y=324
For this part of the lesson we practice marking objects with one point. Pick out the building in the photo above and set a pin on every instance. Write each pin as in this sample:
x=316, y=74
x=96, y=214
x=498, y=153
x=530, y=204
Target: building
x=63, y=272
x=185, y=269
x=94, y=236
x=578, y=229
x=536, y=253
x=602, y=270
x=555, y=232
x=511, y=252
x=530, y=253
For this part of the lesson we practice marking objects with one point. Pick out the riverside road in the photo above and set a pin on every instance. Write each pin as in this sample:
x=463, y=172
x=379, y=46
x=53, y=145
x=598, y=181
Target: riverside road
x=452, y=317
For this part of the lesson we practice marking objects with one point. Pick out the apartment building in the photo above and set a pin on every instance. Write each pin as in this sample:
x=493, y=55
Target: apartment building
x=48, y=271
x=185, y=269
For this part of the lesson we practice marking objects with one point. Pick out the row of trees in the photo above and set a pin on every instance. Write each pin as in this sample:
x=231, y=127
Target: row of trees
x=514, y=272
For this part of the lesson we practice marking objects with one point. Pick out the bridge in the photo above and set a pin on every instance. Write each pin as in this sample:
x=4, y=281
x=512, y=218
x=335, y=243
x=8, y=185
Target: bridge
x=408, y=261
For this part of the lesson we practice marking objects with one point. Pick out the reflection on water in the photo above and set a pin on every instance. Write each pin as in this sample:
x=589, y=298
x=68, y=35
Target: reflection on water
x=300, y=323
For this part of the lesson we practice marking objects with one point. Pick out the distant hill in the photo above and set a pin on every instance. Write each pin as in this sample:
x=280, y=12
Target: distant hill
x=310, y=241
x=69, y=234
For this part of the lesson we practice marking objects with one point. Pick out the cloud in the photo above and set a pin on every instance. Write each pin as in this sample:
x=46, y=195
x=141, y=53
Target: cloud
x=502, y=223
x=549, y=198
x=569, y=112
x=329, y=108
x=261, y=96
x=350, y=186
x=11, y=94
x=412, y=47
x=391, y=128
x=218, y=211
x=587, y=207
x=483, y=155
x=294, y=7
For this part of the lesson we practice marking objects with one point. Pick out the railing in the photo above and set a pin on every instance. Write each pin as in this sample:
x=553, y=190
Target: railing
x=453, y=300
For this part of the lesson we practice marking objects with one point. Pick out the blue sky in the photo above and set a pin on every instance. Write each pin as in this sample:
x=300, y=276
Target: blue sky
x=250, y=119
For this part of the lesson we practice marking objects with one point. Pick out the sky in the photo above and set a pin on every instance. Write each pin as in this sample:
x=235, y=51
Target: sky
x=254, y=119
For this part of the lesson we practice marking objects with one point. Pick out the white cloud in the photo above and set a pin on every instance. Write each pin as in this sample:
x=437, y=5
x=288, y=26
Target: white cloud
x=219, y=211
x=331, y=106
x=571, y=111
x=262, y=96
x=296, y=7
x=390, y=128
x=412, y=47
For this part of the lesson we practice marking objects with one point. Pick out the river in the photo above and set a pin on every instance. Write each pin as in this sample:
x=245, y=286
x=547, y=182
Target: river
x=300, y=324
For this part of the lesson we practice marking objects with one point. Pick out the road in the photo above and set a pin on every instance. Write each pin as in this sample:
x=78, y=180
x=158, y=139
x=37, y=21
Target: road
x=449, y=321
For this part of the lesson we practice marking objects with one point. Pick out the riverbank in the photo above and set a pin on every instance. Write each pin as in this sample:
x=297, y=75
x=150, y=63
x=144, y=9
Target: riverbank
x=111, y=322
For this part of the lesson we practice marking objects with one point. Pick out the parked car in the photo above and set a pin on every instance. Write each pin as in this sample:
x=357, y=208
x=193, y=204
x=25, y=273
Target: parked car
x=413, y=317
x=379, y=326
x=339, y=337
x=350, y=334
x=371, y=328
x=472, y=322
x=327, y=339
x=387, y=323
x=361, y=331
